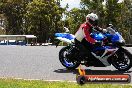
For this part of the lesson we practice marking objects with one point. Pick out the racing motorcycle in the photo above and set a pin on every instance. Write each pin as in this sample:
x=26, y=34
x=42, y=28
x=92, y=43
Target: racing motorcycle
x=112, y=52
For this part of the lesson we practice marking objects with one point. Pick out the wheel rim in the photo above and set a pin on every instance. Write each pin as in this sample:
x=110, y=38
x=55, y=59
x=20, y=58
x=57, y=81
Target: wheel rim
x=123, y=64
x=66, y=61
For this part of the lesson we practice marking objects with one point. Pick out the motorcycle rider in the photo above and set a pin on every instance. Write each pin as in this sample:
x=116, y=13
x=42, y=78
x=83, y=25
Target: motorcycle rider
x=82, y=36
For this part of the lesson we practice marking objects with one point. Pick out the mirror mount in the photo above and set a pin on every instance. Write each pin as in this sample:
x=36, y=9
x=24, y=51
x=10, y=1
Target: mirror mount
x=66, y=29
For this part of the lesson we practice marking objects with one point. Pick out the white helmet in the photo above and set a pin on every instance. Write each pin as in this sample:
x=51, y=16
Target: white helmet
x=92, y=19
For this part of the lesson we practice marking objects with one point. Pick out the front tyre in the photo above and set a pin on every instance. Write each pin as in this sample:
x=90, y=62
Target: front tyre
x=67, y=62
x=122, y=60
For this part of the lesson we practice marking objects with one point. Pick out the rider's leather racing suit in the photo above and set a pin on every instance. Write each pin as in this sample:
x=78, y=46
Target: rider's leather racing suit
x=83, y=35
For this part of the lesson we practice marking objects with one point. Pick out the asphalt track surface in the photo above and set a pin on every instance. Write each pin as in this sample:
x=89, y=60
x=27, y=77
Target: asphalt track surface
x=41, y=62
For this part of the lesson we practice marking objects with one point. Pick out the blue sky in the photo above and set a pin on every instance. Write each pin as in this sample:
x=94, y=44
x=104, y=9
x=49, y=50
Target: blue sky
x=71, y=3
x=74, y=3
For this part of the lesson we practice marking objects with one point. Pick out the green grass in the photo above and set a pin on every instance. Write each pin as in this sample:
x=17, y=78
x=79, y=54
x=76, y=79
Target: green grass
x=13, y=83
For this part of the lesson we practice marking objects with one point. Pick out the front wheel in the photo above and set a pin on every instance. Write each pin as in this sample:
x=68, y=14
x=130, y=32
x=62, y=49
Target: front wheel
x=122, y=60
x=67, y=62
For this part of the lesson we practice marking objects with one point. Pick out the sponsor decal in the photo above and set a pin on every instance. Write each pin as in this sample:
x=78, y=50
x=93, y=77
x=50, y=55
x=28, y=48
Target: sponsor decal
x=82, y=78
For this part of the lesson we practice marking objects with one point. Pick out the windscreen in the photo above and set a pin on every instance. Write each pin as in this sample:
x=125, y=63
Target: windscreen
x=111, y=30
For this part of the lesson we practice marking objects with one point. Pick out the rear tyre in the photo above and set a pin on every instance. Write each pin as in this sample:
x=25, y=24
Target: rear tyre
x=67, y=62
x=122, y=60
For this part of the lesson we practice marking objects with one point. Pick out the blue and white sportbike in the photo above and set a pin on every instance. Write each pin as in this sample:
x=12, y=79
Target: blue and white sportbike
x=103, y=54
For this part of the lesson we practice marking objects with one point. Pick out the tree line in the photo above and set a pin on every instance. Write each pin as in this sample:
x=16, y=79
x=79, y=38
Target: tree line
x=45, y=17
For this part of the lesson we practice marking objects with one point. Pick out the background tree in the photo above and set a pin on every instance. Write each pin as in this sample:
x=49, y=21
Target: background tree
x=74, y=19
x=13, y=10
x=44, y=18
x=39, y=17
x=119, y=15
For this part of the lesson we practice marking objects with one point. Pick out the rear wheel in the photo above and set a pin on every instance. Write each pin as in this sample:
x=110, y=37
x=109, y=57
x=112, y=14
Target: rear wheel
x=67, y=62
x=122, y=60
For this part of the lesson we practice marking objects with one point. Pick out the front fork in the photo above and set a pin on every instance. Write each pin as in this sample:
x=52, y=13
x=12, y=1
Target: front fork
x=118, y=54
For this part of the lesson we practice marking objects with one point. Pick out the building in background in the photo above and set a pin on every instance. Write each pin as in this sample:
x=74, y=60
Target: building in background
x=17, y=39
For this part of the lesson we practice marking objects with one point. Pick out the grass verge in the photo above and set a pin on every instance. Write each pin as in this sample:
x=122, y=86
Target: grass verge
x=13, y=83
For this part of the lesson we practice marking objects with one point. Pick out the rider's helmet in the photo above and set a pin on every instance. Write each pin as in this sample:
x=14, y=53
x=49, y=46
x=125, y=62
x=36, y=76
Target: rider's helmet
x=92, y=19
